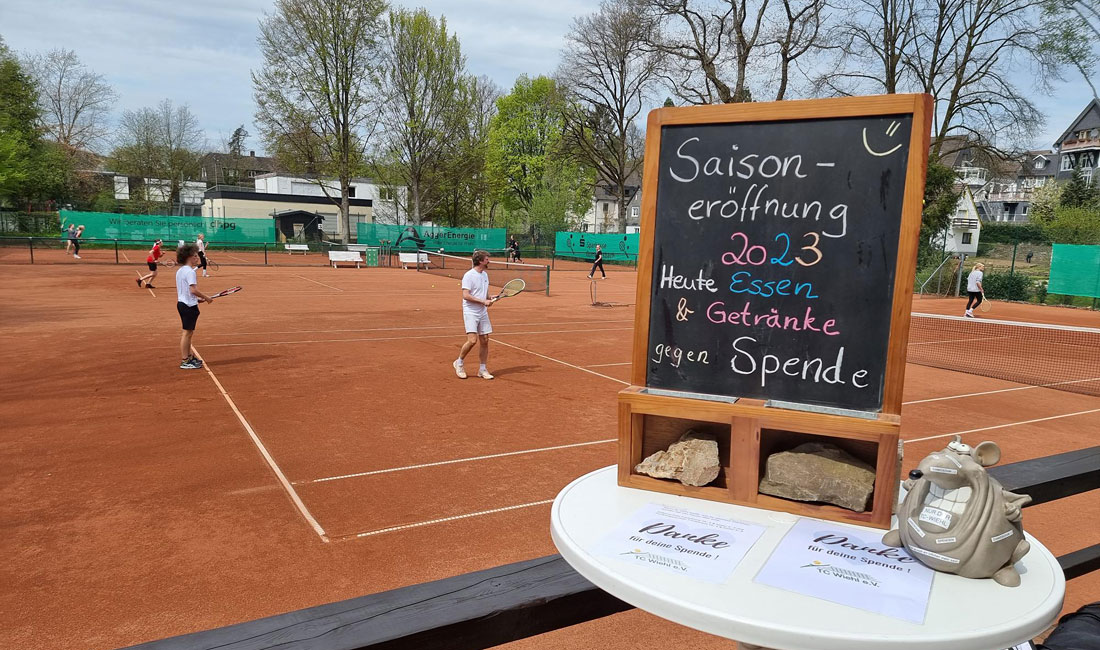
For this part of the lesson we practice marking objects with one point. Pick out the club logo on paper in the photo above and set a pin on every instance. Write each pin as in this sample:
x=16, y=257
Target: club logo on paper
x=850, y=567
x=688, y=543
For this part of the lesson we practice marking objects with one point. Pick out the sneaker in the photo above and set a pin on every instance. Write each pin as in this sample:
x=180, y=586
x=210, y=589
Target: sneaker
x=484, y=374
x=149, y=286
x=76, y=256
x=459, y=370
x=968, y=314
x=138, y=280
x=189, y=365
x=197, y=361
x=590, y=277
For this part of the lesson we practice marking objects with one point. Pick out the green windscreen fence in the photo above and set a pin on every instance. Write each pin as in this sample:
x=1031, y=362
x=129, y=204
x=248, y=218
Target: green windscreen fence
x=433, y=238
x=583, y=245
x=1075, y=270
x=107, y=225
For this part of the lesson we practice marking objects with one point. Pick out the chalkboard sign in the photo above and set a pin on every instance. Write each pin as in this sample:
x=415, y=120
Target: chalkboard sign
x=775, y=246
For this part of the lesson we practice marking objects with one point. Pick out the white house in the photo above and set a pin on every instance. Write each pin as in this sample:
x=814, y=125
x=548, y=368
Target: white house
x=382, y=197
x=601, y=215
x=964, y=229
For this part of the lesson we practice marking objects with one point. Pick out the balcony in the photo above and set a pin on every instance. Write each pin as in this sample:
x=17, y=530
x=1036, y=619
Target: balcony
x=1077, y=144
x=1014, y=196
x=964, y=223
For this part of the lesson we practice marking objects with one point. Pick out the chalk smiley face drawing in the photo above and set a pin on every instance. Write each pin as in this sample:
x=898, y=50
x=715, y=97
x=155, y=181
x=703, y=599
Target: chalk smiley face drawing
x=891, y=130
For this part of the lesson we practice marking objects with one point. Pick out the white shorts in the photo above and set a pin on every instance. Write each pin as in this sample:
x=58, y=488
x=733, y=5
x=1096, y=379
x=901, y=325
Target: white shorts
x=478, y=323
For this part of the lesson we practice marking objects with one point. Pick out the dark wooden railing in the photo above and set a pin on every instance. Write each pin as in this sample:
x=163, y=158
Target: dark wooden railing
x=506, y=603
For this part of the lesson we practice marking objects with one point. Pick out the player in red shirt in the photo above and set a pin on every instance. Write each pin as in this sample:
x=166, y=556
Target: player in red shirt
x=151, y=260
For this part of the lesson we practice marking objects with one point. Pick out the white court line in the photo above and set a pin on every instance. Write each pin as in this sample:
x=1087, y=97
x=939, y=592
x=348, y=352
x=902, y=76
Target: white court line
x=124, y=256
x=443, y=520
x=412, y=338
x=420, y=327
x=316, y=282
x=452, y=462
x=604, y=365
x=592, y=372
x=267, y=456
x=240, y=259
x=1002, y=390
x=1002, y=426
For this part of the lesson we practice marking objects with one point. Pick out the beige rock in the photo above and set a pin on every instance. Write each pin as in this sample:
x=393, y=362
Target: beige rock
x=822, y=472
x=692, y=460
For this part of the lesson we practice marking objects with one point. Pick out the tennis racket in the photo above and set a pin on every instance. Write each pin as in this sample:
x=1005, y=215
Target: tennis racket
x=226, y=292
x=985, y=306
x=511, y=288
x=212, y=265
x=170, y=263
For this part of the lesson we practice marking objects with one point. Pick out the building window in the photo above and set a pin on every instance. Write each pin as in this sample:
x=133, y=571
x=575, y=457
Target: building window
x=1038, y=163
x=966, y=237
x=1086, y=160
x=635, y=211
x=351, y=191
x=1067, y=163
x=605, y=207
x=385, y=194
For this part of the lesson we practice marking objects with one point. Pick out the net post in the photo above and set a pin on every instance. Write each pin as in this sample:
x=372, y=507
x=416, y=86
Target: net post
x=116, y=251
x=30, y=245
x=548, y=282
x=265, y=253
x=1012, y=270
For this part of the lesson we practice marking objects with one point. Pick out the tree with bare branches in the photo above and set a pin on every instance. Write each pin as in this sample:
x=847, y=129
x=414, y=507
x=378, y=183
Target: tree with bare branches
x=606, y=74
x=422, y=73
x=313, y=94
x=159, y=144
x=75, y=102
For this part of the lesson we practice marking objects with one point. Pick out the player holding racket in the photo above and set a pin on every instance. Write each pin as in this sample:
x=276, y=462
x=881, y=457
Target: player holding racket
x=188, y=298
x=151, y=260
x=475, y=314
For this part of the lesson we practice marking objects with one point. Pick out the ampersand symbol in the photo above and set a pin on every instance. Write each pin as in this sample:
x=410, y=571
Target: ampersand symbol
x=682, y=312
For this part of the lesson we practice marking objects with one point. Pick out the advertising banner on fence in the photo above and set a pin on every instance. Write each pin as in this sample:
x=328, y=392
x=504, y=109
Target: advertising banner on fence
x=108, y=225
x=1075, y=270
x=432, y=238
x=615, y=246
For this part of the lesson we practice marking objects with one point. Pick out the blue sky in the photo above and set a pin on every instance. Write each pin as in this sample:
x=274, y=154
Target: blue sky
x=200, y=52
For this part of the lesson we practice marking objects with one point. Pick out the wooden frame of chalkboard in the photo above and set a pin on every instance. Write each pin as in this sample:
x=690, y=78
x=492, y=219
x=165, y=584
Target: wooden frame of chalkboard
x=838, y=182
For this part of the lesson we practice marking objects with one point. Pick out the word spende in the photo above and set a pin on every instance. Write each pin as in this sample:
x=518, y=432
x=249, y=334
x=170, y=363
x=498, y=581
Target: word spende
x=812, y=369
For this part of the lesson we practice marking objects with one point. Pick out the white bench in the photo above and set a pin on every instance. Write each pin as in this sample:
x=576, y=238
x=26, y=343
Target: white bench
x=335, y=257
x=416, y=259
x=296, y=248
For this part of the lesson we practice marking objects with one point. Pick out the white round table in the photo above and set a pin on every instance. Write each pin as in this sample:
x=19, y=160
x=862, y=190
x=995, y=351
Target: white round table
x=963, y=614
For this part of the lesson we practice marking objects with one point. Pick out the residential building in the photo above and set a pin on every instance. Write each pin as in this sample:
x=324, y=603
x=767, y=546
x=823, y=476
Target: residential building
x=233, y=169
x=387, y=202
x=602, y=216
x=1079, y=145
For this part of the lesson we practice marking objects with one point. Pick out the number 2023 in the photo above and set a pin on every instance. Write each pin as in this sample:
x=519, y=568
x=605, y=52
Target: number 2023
x=757, y=255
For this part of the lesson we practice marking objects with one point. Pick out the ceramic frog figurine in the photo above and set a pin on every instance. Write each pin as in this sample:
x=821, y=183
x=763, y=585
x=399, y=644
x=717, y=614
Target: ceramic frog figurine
x=957, y=519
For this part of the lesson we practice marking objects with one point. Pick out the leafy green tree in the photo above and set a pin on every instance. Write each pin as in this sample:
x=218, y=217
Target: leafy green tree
x=1078, y=192
x=940, y=201
x=422, y=74
x=1044, y=200
x=164, y=143
x=1070, y=30
x=466, y=197
x=525, y=157
x=30, y=168
x=313, y=94
x=1076, y=225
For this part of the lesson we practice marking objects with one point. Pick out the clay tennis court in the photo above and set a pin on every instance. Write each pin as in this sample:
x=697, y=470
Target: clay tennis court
x=328, y=451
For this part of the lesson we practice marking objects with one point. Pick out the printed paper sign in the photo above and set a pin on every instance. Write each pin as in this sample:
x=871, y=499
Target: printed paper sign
x=679, y=541
x=849, y=567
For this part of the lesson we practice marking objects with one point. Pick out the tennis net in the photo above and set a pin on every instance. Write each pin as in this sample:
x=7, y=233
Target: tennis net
x=1060, y=357
x=535, y=276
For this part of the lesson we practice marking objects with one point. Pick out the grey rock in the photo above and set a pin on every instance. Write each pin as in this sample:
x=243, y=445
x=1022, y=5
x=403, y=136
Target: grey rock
x=692, y=460
x=822, y=472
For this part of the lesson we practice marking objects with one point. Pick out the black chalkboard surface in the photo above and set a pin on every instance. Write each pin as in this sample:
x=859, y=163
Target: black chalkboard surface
x=775, y=250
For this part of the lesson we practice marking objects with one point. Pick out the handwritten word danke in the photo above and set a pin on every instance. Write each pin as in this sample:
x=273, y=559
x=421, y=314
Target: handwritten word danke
x=669, y=530
x=688, y=169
